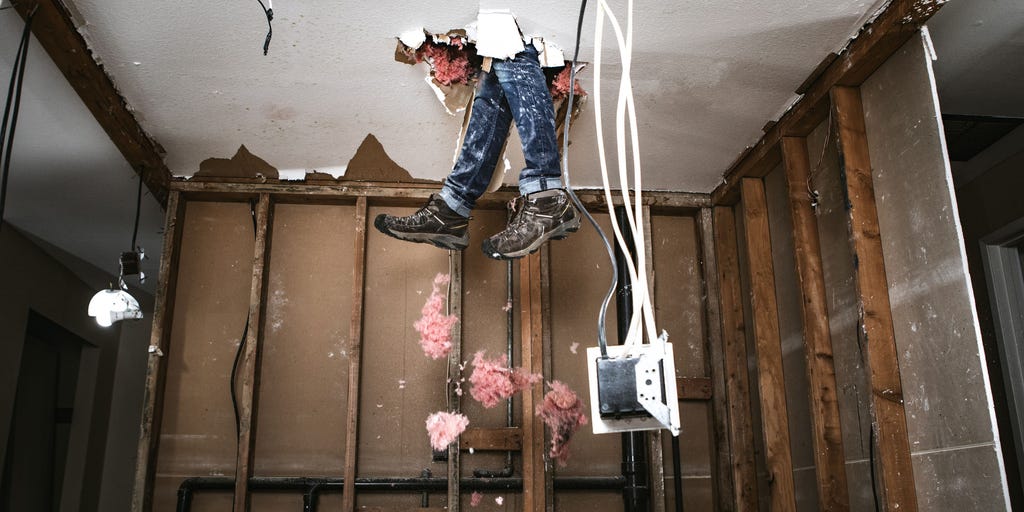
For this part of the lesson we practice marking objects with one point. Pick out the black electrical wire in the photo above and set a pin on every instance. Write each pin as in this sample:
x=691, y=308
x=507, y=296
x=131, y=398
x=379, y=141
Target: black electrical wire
x=12, y=107
x=241, y=343
x=270, y=28
x=871, y=431
x=138, y=210
x=602, y=340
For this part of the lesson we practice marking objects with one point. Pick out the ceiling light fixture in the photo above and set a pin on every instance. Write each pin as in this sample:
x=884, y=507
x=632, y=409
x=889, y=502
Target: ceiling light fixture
x=115, y=303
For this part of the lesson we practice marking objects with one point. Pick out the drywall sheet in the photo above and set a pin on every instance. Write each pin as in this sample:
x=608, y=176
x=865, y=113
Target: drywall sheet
x=197, y=434
x=580, y=276
x=400, y=385
x=679, y=310
x=794, y=358
x=486, y=311
x=301, y=424
x=852, y=390
x=304, y=372
x=945, y=383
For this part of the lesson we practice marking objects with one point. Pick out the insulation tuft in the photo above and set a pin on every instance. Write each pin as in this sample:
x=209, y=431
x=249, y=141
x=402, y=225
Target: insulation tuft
x=562, y=412
x=434, y=326
x=444, y=428
x=560, y=86
x=493, y=381
x=475, y=498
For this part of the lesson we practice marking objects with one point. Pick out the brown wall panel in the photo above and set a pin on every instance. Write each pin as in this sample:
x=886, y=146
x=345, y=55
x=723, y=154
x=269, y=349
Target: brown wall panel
x=197, y=436
x=392, y=434
x=679, y=307
x=304, y=370
x=580, y=276
x=304, y=379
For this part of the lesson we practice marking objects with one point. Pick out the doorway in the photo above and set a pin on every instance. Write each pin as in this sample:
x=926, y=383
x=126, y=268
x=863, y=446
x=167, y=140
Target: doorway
x=1003, y=255
x=39, y=439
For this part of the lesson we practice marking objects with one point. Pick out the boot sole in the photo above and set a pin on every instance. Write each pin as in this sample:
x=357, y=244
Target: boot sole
x=560, y=233
x=450, y=242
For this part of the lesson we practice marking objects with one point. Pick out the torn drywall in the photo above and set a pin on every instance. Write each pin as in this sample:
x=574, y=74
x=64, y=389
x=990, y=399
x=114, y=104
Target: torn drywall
x=243, y=165
x=372, y=163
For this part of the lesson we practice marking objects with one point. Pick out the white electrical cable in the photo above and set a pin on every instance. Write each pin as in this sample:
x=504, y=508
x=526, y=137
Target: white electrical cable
x=626, y=106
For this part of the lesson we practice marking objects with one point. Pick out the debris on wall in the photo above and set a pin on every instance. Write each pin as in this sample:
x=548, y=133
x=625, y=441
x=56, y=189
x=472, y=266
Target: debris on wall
x=443, y=428
x=562, y=412
x=243, y=165
x=475, y=498
x=434, y=326
x=493, y=381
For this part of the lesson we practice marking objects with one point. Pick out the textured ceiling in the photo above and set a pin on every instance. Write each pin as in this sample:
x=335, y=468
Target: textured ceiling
x=707, y=76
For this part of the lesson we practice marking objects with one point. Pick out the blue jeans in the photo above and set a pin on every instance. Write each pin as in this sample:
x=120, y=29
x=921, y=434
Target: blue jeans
x=513, y=89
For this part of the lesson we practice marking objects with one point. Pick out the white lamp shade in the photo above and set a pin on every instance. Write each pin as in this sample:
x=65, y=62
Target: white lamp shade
x=109, y=306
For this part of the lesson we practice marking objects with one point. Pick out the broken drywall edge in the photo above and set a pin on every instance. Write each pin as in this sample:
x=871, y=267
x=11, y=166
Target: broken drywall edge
x=243, y=164
x=291, y=174
x=498, y=34
x=413, y=38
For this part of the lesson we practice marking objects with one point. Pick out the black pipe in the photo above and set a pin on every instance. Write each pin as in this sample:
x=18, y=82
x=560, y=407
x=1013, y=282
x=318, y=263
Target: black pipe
x=677, y=474
x=636, y=493
x=312, y=486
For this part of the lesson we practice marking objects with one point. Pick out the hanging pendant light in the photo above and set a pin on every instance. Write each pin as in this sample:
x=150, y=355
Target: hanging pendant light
x=115, y=303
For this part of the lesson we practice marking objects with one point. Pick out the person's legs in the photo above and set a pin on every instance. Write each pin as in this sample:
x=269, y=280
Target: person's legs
x=529, y=100
x=513, y=89
x=544, y=211
x=486, y=132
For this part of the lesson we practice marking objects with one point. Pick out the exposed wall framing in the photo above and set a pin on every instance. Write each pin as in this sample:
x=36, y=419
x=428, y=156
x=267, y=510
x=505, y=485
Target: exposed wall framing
x=875, y=43
x=534, y=299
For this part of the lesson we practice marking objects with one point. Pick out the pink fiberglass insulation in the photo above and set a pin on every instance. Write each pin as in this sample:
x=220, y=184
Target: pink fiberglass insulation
x=562, y=412
x=434, y=326
x=560, y=86
x=493, y=381
x=450, y=63
x=444, y=427
x=475, y=498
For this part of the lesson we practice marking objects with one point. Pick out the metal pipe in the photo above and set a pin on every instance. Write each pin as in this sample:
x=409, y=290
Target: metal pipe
x=312, y=486
x=677, y=474
x=509, y=340
x=636, y=493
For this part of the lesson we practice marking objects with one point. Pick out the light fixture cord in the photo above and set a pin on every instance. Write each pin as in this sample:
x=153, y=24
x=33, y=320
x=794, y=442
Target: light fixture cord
x=13, y=100
x=138, y=210
x=270, y=28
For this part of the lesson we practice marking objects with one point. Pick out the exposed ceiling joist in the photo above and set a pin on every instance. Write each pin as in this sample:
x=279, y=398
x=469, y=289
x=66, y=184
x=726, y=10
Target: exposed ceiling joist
x=879, y=39
x=55, y=30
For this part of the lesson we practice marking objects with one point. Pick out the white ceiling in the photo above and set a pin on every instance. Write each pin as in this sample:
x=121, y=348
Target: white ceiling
x=980, y=45
x=707, y=76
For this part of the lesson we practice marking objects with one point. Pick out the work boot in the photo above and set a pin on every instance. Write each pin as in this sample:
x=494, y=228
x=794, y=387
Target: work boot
x=435, y=223
x=538, y=217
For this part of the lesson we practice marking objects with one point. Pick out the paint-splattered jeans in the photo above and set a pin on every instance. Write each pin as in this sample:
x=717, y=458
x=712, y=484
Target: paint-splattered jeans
x=513, y=89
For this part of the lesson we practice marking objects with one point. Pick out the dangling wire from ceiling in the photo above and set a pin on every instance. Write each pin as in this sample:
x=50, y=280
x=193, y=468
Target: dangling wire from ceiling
x=602, y=340
x=12, y=107
x=643, y=311
x=270, y=28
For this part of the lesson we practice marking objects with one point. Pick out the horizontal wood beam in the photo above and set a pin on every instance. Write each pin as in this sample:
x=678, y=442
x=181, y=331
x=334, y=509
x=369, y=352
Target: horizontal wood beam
x=412, y=193
x=56, y=32
x=875, y=43
x=492, y=439
x=694, y=388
